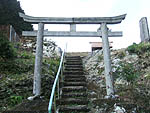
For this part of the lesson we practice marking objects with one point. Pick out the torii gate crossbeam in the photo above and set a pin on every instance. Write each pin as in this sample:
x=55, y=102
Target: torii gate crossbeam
x=71, y=34
x=102, y=32
x=73, y=20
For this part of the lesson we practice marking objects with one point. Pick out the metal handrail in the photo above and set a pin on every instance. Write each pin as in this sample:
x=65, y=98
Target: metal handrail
x=55, y=82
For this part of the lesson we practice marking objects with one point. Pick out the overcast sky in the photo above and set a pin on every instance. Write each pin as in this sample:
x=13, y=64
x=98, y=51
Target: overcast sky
x=135, y=10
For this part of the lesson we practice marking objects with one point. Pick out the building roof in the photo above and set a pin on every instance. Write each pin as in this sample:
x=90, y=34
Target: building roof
x=98, y=44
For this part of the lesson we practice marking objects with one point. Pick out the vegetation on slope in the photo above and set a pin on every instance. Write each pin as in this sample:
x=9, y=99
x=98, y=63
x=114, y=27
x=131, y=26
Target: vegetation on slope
x=16, y=74
x=7, y=50
x=131, y=71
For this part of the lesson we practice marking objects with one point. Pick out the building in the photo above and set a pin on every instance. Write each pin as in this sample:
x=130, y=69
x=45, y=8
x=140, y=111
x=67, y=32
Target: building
x=98, y=45
x=10, y=33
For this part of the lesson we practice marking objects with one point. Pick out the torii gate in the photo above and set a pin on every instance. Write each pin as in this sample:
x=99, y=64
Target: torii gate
x=101, y=32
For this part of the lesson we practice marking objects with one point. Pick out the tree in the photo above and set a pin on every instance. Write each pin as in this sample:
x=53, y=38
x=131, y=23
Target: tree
x=9, y=11
x=7, y=51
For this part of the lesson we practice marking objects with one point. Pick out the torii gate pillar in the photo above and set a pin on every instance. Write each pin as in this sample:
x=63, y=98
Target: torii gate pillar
x=38, y=60
x=107, y=60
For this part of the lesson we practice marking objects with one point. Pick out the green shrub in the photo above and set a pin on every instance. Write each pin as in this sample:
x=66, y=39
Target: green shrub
x=27, y=55
x=139, y=48
x=52, y=66
x=100, y=57
x=127, y=71
x=121, y=54
x=15, y=99
x=100, y=70
x=16, y=66
x=7, y=51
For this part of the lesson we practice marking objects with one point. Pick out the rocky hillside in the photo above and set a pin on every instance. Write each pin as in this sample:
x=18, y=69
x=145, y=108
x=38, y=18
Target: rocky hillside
x=16, y=80
x=130, y=69
x=131, y=72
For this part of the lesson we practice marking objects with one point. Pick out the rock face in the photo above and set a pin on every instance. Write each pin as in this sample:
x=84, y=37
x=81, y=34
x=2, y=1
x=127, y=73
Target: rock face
x=127, y=69
x=94, y=64
x=50, y=49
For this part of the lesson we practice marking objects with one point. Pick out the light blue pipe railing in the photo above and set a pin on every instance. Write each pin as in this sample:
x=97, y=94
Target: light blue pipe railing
x=54, y=85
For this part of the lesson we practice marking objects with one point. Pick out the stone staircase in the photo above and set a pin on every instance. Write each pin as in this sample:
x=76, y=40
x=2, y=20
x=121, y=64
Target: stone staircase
x=74, y=96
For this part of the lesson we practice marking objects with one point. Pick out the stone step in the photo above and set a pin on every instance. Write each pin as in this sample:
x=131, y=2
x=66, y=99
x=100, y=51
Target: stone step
x=72, y=57
x=74, y=109
x=74, y=83
x=74, y=76
x=73, y=69
x=73, y=60
x=73, y=63
x=73, y=66
x=73, y=72
x=74, y=95
x=72, y=101
x=75, y=79
x=68, y=89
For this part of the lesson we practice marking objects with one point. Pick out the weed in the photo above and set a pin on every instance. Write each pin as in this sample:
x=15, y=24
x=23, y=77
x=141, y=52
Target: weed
x=126, y=71
x=139, y=48
x=15, y=99
x=17, y=74
x=100, y=71
x=7, y=51
x=100, y=58
x=26, y=55
x=121, y=54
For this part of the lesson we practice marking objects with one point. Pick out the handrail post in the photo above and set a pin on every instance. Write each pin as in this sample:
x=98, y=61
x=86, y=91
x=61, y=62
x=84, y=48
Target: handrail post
x=58, y=88
x=62, y=74
x=61, y=80
x=55, y=103
x=62, y=69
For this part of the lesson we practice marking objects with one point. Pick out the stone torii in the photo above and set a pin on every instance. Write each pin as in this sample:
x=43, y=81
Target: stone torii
x=101, y=32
